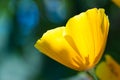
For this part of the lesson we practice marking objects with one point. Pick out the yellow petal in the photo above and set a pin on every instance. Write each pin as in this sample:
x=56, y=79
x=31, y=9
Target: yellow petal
x=113, y=66
x=87, y=32
x=104, y=73
x=54, y=45
x=108, y=70
x=117, y=2
x=81, y=43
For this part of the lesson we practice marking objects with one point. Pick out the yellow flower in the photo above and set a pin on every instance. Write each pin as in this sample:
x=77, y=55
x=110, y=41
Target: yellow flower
x=81, y=43
x=108, y=70
x=117, y=2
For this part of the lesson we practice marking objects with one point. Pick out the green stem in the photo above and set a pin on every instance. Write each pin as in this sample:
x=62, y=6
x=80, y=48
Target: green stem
x=92, y=73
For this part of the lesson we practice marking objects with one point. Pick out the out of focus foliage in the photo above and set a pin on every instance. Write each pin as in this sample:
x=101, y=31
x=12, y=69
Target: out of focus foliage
x=22, y=22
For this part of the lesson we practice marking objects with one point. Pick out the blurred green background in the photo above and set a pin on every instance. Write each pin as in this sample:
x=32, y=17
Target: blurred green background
x=22, y=23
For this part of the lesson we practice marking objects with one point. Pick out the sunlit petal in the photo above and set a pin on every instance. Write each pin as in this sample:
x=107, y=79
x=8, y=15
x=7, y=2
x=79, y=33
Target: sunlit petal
x=54, y=45
x=88, y=32
x=81, y=43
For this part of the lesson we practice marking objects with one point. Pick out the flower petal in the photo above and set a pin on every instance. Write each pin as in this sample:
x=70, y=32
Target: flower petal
x=81, y=43
x=104, y=73
x=108, y=70
x=117, y=2
x=88, y=33
x=54, y=45
x=113, y=66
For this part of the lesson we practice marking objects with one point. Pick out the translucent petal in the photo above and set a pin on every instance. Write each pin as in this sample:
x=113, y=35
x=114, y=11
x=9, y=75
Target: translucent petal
x=88, y=32
x=81, y=43
x=54, y=45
